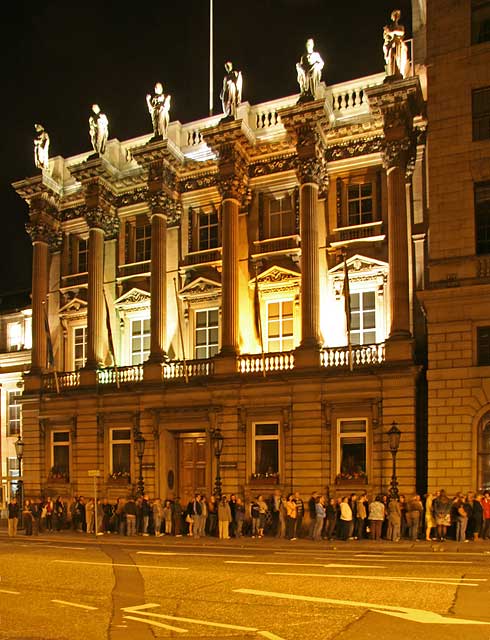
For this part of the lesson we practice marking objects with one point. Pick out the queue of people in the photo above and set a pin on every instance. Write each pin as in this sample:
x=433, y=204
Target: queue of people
x=354, y=517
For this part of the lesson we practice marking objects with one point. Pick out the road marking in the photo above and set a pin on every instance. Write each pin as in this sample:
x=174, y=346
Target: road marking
x=269, y=635
x=58, y=546
x=141, y=610
x=185, y=554
x=74, y=604
x=414, y=615
x=154, y=623
x=13, y=593
x=385, y=559
x=110, y=564
x=309, y=564
x=455, y=582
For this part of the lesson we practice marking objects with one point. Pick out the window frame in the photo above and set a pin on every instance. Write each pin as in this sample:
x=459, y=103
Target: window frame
x=53, y=444
x=269, y=438
x=122, y=441
x=11, y=433
x=361, y=331
x=481, y=361
x=281, y=319
x=483, y=452
x=145, y=241
x=208, y=345
x=285, y=230
x=482, y=246
x=360, y=199
x=357, y=434
x=200, y=214
x=479, y=120
x=143, y=353
x=476, y=23
x=74, y=330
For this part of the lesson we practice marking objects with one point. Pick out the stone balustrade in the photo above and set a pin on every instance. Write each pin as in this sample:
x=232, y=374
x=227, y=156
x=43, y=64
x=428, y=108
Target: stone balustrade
x=362, y=355
x=257, y=363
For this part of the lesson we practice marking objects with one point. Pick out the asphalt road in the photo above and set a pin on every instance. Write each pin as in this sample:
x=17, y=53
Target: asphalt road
x=67, y=586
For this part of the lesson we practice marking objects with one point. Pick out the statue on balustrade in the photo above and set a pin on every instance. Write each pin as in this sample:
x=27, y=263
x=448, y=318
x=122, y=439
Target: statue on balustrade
x=98, y=129
x=159, y=108
x=231, y=94
x=41, y=147
x=309, y=70
x=395, y=49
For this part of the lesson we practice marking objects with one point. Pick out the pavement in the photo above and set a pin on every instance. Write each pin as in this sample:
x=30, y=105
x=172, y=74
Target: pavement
x=69, y=585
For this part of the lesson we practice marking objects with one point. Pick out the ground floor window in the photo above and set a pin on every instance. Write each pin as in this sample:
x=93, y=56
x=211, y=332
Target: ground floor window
x=120, y=453
x=13, y=472
x=484, y=454
x=265, y=461
x=352, y=449
x=60, y=455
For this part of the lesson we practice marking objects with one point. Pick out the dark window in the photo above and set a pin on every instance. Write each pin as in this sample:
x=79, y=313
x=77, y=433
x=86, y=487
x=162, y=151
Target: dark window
x=481, y=113
x=82, y=255
x=142, y=243
x=483, y=346
x=266, y=449
x=121, y=452
x=484, y=456
x=482, y=217
x=480, y=21
x=360, y=203
x=208, y=230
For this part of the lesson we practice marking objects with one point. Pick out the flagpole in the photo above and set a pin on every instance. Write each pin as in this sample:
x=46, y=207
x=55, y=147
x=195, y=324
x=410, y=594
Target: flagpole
x=180, y=332
x=51, y=362
x=347, y=309
x=258, y=320
x=211, y=42
x=110, y=339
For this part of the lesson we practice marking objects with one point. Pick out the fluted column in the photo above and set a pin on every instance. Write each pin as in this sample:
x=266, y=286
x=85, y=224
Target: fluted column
x=158, y=281
x=229, y=292
x=95, y=299
x=40, y=257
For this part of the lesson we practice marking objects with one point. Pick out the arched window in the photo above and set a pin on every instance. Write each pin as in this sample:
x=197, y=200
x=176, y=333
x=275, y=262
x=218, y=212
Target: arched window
x=484, y=453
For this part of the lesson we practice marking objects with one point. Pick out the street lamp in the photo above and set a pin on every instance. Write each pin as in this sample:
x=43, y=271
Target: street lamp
x=140, y=443
x=19, y=451
x=394, y=435
x=218, y=440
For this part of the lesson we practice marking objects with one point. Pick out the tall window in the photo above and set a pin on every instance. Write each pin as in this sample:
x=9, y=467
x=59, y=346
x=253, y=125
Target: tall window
x=483, y=346
x=480, y=21
x=28, y=332
x=13, y=472
x=482, y=217
x=120, y=452
x=363, y=317
x=360, y=203
x=14, y=413
x=207, y=333
x=281, y=217
x=14, y=336
x=140, y=340
x=481, y=113
x=280, y=329
x=484, y=454
x=60, y=454
x=82, y=255
x=79, y=347
x=142, y=243
x=352, y=441
x=265, y=449
x=208, y=230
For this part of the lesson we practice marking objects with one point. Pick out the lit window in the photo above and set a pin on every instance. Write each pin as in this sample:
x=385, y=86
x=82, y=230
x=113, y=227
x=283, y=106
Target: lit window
x=28, y=332
x=480, y=21
x=60, y=455
x=13, y=472
x=484, y=454
x=265, y=449
x=363, y=317
x=483, y=346
x=142, y=243
x=208, y=230
x=360, y=203
x=140, y=340
x=481, y=113
x=120, y=450
x=281, y=217
x=280, y=323
x=352, y=459
x=14, y=336
x=14, y=413
x=207, y=333
x=79, y=347
x=482, y=217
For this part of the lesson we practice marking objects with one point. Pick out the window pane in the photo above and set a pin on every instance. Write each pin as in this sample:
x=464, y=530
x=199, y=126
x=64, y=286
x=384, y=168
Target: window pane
x=351, y=426
x=61, y=436
x=483, y=345
x=266, y=456
x=61, y=459
x=369, y=337
x=121, y=454
x=266, y=429
x=121, y=434
x=352, y=456
x=354, y=301
x=369, y=320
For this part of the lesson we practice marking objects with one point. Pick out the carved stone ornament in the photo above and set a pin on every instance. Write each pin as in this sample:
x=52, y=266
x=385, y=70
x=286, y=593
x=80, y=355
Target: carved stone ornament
x=42, y=231
x=396, y=153
x=194, y=183
x=133, y=197
x=73, y=212
x=312, y=170
x=354, y=148
x=164, y=203
x=101, y=219
x=273, y=165
x=232, y=179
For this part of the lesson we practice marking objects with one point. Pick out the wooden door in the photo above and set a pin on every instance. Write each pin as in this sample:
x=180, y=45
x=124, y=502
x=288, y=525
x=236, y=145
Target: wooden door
x=192, y=466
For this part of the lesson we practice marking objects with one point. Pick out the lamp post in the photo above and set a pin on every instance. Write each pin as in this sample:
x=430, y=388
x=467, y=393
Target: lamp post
x=140, y=443
x=394, y=435
x=19, y=451
x=218, y=440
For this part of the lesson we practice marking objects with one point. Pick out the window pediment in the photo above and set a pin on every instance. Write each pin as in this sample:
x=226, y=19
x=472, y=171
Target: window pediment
x=74, y=307
x=135, y=299
x=277, y=278
x=201, y=289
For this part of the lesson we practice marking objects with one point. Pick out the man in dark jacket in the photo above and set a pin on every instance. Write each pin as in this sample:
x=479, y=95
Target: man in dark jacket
x=312, y=512
x=130, y=513
x=13, y=517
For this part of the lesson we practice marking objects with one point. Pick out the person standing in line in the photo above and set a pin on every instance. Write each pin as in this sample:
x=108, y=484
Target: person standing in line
x=394, y=520
x=361, y=514
x=430, y=521
x=13, y=517
x=49, y=505
x=255, y=514
x=312, y=513
x=459, y=512
x=90, y=515
x=158, y=514
x=414, y=516
x=345, y=519
x=291, y=517
x=441, y=508
x=320, y=517
x=475, y=518
x=263, y=508
x=275, y=508
x=130, y=511
x=145, y=514
x=196, y=512
x=27, y=517
x=300, y=512
x=212, y=516
x=232, y=503
x=224, y=518
x=177, y=514
x=485, y=503
x=376, y=517
x=239, y=517
x=204, y=516
x=331, y=518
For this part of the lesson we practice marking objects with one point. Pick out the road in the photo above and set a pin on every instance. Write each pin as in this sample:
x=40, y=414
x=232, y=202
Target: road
x=63, y=587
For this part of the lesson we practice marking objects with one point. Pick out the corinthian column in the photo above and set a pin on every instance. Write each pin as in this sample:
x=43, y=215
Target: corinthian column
x=95, y=298
x=229, y=303
x=158, y=283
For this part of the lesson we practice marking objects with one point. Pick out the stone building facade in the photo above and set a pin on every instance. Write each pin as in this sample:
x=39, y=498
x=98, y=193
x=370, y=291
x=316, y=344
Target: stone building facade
x=211, y=265
x=456, y=296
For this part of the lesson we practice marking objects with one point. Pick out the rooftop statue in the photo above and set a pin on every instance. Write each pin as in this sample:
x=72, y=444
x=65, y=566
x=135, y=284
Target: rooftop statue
x=231, y=94
x=394, y=49
x=309, y=70
x=41, y=147
x=98, y=129
x=159, y=108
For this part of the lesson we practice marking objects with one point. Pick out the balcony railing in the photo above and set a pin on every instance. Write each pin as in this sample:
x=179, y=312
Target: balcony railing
x=134, y=269
x=369, y=230
x=202, y=257
x=257, y=363
x=368, y=354
x=277, y=245
x=120, y=375
x=176, y=370
x=63, y=381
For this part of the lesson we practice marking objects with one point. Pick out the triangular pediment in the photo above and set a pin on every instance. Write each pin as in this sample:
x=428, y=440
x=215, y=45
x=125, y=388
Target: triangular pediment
x=357, y=264
x=276, y=274
x=75, y=305
x=133, y=297
x=200, y=285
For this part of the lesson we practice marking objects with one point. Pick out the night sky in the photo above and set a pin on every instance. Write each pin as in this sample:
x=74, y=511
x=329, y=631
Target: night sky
x=61, y=57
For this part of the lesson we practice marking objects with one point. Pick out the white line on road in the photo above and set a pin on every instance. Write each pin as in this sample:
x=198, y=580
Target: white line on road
x=309, y=564
x=269, y=635
x=454, y=582
x=58, y=546
x=414, y=615
x=154, y=623
x=407, y=561
x=115, y=564
x=74, y=604
x=13, y=593
x=185, y=554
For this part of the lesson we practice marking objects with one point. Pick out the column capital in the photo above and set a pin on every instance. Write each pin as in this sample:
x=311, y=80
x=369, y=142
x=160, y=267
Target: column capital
x=43, y=225
x=164, y=204
x=100, y=218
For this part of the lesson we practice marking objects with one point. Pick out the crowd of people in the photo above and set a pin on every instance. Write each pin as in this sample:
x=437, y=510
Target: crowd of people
x=435, y=517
